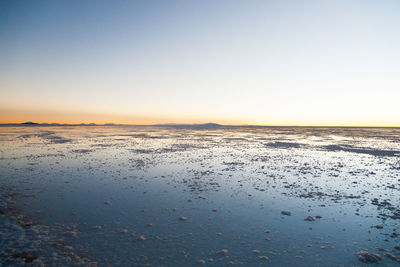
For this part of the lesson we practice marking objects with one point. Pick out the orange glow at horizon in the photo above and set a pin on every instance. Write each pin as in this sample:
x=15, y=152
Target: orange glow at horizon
x=63, y=117
x=41, y=116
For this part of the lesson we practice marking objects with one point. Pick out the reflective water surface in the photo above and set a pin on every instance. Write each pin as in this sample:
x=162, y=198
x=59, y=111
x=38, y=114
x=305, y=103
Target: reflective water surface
x=217, y=196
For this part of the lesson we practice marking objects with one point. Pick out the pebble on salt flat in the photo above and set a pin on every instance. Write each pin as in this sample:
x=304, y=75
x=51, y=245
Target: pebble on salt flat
x=222, y=251
x=141, y=238
x=264, y=258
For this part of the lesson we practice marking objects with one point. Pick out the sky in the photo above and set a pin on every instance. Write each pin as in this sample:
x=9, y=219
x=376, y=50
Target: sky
x=229, y=62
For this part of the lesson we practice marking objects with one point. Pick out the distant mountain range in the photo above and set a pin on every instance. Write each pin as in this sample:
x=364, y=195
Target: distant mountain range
x=29, y=123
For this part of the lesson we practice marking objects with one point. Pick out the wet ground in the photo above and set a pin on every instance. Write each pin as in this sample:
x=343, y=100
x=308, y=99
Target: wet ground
x=187, y=196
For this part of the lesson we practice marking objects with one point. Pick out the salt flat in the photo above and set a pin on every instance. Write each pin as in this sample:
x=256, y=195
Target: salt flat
x=169, y=196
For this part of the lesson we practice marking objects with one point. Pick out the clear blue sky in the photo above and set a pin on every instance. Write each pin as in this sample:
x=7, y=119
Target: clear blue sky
x=240, y=62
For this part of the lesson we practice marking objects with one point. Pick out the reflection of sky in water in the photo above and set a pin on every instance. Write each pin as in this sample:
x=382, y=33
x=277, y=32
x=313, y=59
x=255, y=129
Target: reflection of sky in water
x=230, y=183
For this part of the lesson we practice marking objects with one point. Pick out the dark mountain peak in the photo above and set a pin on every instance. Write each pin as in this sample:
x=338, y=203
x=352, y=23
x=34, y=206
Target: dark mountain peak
x=210, y=124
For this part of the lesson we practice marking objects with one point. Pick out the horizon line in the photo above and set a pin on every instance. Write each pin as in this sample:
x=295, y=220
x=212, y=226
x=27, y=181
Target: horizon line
x=209, y=124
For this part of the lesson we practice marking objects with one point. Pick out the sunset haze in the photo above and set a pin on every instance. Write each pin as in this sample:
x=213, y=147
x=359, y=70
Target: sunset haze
x=229, y=62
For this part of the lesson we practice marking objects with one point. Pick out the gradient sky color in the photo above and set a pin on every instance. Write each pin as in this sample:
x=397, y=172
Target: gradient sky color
x=230, y=62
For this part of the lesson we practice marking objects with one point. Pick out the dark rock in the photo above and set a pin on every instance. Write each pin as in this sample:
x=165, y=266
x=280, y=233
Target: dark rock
x=392, y=257
x=394, y=234
x=309, y=219
x=26, y=255
x=368, y=257
x=287, y=213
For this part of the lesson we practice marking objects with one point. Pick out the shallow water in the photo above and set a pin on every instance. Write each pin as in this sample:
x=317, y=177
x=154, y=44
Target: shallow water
x=175, y=196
